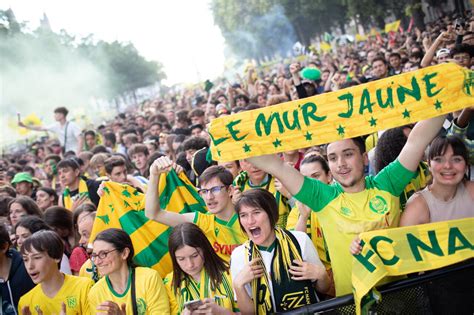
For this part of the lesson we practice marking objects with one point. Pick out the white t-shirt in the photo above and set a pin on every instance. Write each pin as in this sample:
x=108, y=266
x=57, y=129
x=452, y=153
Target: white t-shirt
x=238, y=259
x=73, y=132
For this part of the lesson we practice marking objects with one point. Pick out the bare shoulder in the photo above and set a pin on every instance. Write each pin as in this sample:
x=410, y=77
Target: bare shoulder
x=416, y=211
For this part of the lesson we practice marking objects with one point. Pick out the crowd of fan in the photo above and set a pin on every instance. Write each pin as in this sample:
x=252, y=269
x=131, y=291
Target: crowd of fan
x=55, y=184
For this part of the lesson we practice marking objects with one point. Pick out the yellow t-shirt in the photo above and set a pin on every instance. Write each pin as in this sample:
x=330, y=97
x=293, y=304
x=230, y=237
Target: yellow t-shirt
x=314, y=231
x=89, y=271
x=150, y=293
x=73, y=293
x=343, y=216
x=223, y=295
x=223, y=236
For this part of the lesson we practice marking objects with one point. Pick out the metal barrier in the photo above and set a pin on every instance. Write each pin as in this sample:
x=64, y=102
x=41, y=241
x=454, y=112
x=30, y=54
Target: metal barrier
x=449, y=290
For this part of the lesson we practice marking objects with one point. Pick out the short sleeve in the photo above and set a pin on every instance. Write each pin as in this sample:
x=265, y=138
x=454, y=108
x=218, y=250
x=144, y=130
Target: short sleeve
x=315, y=194
x=157, y=295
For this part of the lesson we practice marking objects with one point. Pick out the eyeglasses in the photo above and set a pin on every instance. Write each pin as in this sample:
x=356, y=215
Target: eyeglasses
x=101, y=255
x=213, y=190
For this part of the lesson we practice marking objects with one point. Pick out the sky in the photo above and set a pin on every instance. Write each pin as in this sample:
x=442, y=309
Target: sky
x=180, y=34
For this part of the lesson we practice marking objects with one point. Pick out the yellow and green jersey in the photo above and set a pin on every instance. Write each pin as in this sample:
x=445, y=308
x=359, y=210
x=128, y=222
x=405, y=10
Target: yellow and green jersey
x=224, y=236
x=343, y=216
x=190, y=290
x=315, y=233
x=150, y=293
x=242, y=182
x=73, y=294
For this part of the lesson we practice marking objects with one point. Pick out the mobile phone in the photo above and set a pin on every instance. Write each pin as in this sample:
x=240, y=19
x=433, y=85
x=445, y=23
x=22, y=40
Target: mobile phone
x=193, y=305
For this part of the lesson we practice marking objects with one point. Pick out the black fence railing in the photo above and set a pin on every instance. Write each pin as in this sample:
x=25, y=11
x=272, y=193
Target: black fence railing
x=445, y=291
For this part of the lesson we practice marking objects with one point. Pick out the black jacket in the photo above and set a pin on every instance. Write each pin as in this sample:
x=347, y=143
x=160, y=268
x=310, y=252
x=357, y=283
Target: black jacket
x=17, y=284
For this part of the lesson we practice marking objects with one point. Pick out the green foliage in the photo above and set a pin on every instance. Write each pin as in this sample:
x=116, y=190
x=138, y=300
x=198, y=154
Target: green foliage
x=118, y=66
x=240, y=21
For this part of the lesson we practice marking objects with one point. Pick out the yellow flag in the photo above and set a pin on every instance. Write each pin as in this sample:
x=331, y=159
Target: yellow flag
x=122, y=206
x=361, y=38
x=401, y=251
x=325, y=118
x=392, y=27
x=325, y=46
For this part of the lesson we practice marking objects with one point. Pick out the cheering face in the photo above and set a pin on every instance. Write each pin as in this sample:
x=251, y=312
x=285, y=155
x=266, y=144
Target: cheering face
x=216, y=195
x=448, y=169
x=256, y=224
x=39, y=265
x=347, y=163
x=190, y=260
x=108, y=259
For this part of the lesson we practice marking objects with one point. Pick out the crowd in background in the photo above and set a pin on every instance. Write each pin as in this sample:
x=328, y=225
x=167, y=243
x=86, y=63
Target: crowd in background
x=49, y=193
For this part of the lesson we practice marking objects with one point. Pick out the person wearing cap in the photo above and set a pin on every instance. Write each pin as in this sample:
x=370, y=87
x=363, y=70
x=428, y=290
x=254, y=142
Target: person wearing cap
x=23, y=183
x=68, y=133
x=442, y=55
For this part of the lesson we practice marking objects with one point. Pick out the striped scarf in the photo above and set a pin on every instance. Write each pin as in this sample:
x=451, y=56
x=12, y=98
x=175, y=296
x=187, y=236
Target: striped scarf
x=67, y=199
x=288, y=294
x=189, y=290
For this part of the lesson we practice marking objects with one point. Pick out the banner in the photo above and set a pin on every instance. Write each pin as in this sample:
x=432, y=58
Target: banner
x=122, y=206
x=356, y=111
x=392, y=27
x=401, y=251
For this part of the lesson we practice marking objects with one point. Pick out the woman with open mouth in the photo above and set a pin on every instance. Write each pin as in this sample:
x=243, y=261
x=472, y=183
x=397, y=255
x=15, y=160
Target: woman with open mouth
x=276, y=270
x=200, y=279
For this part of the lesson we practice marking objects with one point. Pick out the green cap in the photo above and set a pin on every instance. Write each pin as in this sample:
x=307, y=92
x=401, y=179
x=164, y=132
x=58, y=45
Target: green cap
x=313, y=74
x=22, y=177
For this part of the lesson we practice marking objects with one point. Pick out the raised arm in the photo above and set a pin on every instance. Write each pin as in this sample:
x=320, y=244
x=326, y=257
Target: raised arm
x=152, y=197
x=35, y=128
x=288, y=175
x=419, y=138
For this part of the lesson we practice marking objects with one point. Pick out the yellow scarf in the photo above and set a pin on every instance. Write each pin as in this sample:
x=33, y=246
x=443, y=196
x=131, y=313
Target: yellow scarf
x=288, y=294
x=68, y=200
x=189, y=290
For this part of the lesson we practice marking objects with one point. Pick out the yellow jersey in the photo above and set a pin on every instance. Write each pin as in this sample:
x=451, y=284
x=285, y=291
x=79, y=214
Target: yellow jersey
x=73, y=293
x=150, y=293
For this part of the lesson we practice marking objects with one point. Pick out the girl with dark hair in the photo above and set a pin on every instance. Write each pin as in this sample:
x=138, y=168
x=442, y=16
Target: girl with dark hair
x=14, y=280
x=46, y=197
x=124, y=288
x=55, y=292
x=450, y=195
x=60, y=220
x=29, y=225
x=273, y=263
x=21, y=206
x=199, y=274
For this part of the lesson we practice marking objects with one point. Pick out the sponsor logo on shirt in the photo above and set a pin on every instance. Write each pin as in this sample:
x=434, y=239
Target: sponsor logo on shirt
x=378, y=205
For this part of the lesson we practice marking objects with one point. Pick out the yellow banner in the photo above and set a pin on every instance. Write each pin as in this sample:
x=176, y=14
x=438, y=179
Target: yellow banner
x=356, y=111
x=392, y=27
x=401, y=251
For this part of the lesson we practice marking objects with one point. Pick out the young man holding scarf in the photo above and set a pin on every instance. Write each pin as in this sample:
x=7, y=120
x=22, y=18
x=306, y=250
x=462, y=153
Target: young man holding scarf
x=78, y=189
